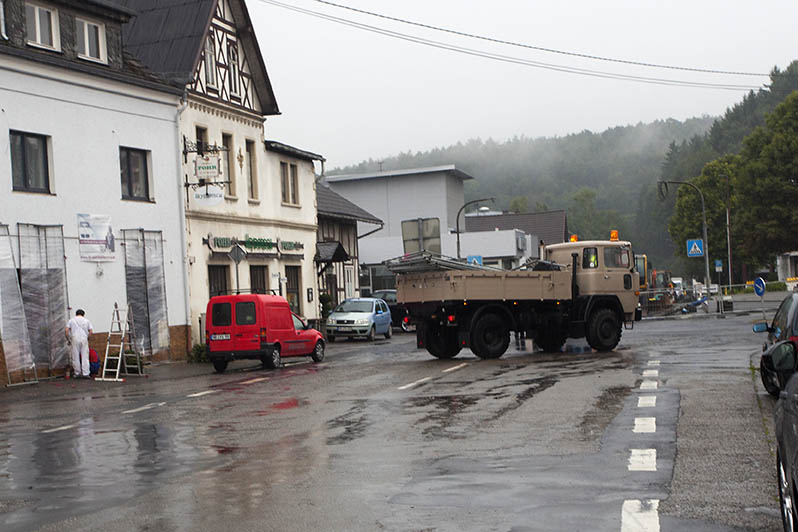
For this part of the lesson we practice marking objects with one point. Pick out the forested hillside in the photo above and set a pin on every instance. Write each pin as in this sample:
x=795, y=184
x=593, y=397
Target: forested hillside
x=605, y=180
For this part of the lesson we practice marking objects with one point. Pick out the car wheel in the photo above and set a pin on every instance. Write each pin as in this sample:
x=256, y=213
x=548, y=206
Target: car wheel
x=220, y=365
x=273, y=360
x=318, y=352
x=490, y=336
x=372, y=333
x=389, y=331
x=603, y=330
x=788, y=514
x=768, y=380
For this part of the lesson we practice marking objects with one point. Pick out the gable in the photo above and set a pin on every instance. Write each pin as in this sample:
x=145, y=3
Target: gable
x=230, y=68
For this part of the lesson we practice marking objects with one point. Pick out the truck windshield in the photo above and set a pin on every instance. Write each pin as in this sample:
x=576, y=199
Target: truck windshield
x=354, y=306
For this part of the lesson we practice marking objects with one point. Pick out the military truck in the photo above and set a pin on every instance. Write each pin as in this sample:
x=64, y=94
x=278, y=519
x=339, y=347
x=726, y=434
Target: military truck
x=577, y=289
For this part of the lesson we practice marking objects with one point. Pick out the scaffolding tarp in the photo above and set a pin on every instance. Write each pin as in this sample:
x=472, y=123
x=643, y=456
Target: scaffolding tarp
x=44, y=292
x=146, y=289
x=13, y=326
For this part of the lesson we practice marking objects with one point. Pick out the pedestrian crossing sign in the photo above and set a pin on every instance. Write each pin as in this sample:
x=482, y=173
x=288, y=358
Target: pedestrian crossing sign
x=695, y=248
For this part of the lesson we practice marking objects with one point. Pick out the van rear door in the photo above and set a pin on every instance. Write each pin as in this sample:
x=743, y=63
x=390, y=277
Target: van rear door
x=220, y=328
x=247, y=330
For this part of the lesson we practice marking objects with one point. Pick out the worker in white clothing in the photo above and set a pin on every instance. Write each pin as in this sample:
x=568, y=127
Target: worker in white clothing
x=78, y=330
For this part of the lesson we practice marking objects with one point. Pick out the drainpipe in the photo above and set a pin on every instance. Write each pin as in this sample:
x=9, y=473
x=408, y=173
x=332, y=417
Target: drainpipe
x=182, y=215
x=3, y=33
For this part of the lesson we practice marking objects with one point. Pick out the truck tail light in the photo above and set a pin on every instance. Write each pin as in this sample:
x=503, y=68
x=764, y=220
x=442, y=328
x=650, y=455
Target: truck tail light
x=406, y=319
x=450, y=318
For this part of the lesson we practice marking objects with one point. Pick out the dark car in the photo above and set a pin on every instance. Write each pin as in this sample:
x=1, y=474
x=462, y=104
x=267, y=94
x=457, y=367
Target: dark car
x=786, y=420
x=399, y=315
x=784, y=327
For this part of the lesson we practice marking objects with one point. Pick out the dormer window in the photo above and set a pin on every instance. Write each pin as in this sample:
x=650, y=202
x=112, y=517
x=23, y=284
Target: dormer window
x=210, y=62
x=42, y=26
x=90, y=40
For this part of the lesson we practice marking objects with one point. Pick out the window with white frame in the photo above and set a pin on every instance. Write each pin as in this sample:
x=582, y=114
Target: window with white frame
x=289, y=183
x=90, y=40
x=135, y=175
x=232, y=60
x=228, y=167
x=250, y=170
x=30, y=168
x=210, y=61
x=42, y=26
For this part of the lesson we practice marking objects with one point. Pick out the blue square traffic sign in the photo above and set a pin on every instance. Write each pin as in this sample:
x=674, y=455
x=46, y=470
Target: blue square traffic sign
x=695, y=247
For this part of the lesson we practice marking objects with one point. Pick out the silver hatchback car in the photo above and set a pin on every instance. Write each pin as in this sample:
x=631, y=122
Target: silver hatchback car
x=360, y=317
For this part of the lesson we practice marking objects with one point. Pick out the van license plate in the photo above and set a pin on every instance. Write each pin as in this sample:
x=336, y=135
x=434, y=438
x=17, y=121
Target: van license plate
x=220, y=337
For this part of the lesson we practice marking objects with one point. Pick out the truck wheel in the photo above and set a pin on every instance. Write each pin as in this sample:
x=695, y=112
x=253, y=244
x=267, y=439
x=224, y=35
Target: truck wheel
x=220, y=365
x=490, y=337
x=603, y=330
x=441, y=342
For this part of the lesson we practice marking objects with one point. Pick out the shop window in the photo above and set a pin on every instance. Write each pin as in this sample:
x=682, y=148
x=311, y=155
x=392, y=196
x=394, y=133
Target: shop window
x=90, y=40
x=42, y=26
x=218, y=279
x=29, y=162
x=134, y=172
x=293, y=288
x=259, y=279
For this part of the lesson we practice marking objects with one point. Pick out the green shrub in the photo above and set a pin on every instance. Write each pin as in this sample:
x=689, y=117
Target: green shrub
x=326, y=304
x=198, y=354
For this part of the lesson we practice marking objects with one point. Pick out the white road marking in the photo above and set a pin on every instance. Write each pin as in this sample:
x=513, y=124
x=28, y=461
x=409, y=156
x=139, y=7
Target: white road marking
x=648, y=385
x=645, y=424
x=200, y=394
x=650, y=373
x=645, y=401
x=57, y=429
x=464, y=364
x=640, y=516
x=143, y=408
x=653, y=362
x=253, y=381
x=419, y=381
x=643, y=460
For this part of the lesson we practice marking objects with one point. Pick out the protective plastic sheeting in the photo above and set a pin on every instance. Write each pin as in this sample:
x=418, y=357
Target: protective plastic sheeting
x=13, y=326
x=146, y=289
x=44, y=292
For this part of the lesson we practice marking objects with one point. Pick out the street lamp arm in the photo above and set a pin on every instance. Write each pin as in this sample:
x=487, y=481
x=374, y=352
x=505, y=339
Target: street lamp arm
x=457, y=218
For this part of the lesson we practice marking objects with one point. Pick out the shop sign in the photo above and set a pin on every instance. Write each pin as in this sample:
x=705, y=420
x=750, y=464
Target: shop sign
x=207, y=167
x=208, y=196
x=252, y=243
x=287, y=245
x=95, y=238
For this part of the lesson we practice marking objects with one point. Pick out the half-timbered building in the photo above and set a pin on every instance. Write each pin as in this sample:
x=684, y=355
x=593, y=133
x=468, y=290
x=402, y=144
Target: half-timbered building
x=237, y=194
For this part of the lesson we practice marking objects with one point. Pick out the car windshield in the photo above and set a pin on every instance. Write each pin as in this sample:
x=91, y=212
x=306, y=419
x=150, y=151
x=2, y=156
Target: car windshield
x=354, y=306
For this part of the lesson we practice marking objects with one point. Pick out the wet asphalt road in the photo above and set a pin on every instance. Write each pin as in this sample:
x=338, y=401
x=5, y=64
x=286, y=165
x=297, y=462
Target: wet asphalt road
x=383, y=437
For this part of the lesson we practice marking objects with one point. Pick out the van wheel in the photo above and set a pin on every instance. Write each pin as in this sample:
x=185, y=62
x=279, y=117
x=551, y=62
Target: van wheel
x=220, y=365
x=318, y=352
x=389, y=332
x=372, y=334
x=272, y=361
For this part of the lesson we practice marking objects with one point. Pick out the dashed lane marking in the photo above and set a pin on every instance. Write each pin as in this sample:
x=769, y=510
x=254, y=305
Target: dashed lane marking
x=143, y=408
x=453, y=368
x=200, y=394
x=650, y=373
x=640, y=516
x=653, y=362
x=646, y=401
x=58, y=429
x=257, y=379
x=642, y=460
x=416, y=383
x=648, y=385
x=645, y=424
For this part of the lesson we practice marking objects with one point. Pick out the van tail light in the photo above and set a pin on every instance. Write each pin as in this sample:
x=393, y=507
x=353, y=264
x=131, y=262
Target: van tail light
x=207, y=337
x=263, y=335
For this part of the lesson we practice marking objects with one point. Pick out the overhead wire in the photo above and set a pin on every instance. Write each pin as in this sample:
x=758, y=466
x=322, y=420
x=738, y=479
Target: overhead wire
x=511, y=59
x=539, y=48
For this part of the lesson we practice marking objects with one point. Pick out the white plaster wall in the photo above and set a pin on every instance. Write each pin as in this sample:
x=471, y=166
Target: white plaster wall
x=87, y=120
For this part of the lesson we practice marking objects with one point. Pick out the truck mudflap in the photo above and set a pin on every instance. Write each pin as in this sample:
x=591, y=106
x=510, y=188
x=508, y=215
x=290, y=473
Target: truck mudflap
x=629, y=320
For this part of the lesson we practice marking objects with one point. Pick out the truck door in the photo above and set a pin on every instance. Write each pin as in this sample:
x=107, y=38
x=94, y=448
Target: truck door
x=247, y=331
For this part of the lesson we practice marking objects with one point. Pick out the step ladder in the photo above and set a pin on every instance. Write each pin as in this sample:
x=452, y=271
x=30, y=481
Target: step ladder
x=120, y=340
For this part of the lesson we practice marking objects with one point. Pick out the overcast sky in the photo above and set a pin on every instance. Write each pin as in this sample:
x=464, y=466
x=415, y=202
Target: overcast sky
x=350, y=94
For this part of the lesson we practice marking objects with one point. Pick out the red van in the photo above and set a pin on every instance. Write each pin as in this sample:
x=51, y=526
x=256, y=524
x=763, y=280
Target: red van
x=257, y=326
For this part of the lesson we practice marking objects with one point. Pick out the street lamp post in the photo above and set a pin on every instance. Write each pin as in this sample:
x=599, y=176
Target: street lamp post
x=728, y=230
x=457, y=220
x=663, y=185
